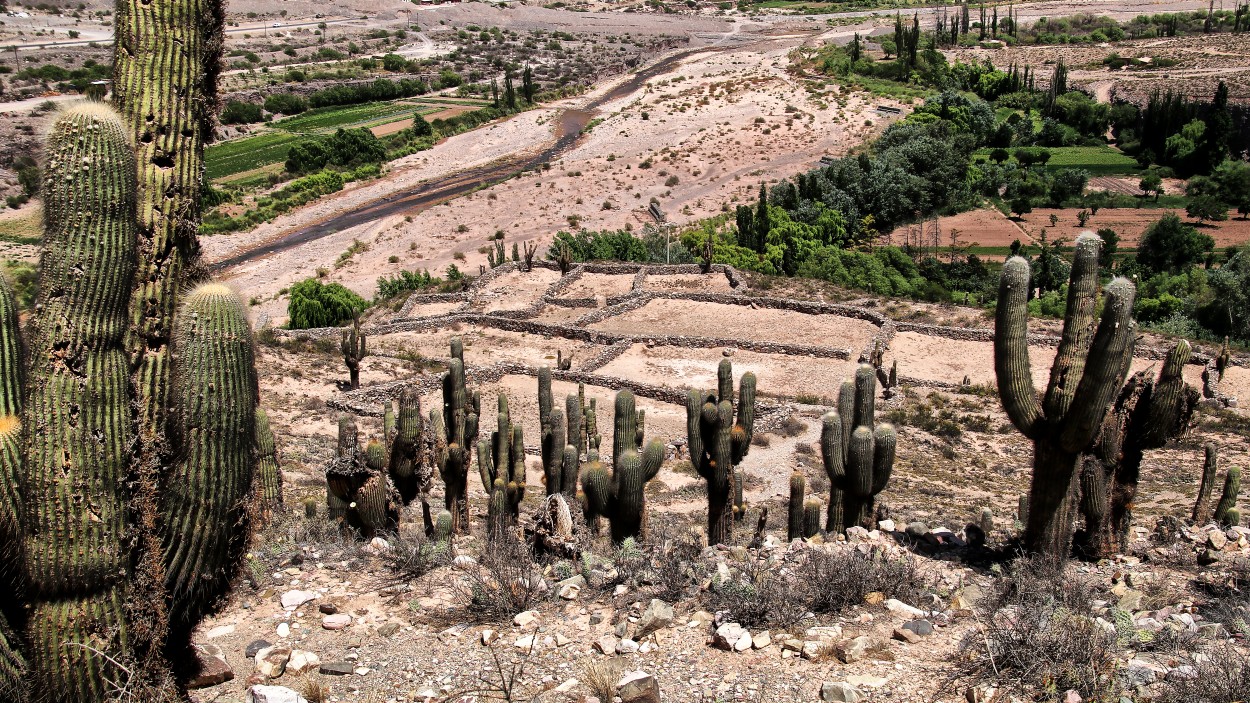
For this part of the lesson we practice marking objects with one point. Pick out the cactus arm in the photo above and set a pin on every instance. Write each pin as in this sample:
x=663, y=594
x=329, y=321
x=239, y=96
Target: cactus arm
x=865, y=396
x=1169, y=401
x=626, y=428
x=1105, y=370
x=553, y=448
x=846, y=412
x=628, y=496
x=267, y=470
x=1078, y=325
x=652, y=458
x=834, y=460
x=1011, y=350
x=12, y=664
x=568, y=478
x=573, y=414
x=486, y=466
x=745, y=427
x=516, y=474
x=640, y=421
x=545, y=400
x=12, y=368
x=694, y=431
x=885, y=441
x=725, y=381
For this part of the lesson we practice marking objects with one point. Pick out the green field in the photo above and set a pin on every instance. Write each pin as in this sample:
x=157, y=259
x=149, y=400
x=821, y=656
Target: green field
x=328, y=119
x=1098, y=160
x=228, y=158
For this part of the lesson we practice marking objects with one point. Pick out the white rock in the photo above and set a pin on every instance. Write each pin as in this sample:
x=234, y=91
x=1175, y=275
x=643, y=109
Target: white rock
x=363, y=670
x=761, y=640
x=489, y=636
x=464, y=560
x=897, y=606
x=284, y=630
x=626, y=646
x=840, y=692
x=302, y=661
x=294, y=599
x=526, y=618
x=338, y=621
x=526, y=642
x=886, y=525
x=220, y=631
x=273, y=694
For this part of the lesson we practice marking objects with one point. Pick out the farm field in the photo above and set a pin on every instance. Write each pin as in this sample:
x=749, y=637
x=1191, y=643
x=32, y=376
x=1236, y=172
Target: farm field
x=1098, y=160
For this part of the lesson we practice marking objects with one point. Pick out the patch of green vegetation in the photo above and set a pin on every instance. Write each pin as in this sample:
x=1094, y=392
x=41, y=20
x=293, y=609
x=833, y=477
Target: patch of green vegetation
x=327, y=119
x=228, y=158
x=24, y=229
x=1099, y=160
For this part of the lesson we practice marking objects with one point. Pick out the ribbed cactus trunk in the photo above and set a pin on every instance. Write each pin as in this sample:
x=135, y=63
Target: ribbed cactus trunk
x=621, y=497
x=1226, y=513
x=1210, y=465
x=455, y=432
x=1089, y=369
x=268, y=473
x=794, y=522
x=78, y=414
x=354, y=347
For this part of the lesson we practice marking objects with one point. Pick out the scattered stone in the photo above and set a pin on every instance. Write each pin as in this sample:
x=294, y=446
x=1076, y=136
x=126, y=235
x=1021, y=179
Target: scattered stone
x=284, y=630
x=212, y=667
x=463, y=560
x=362, y=671
x=328, y=608
x=255, y=646
x=626, y=646
x=886, y=525
x=980, y=694
x=1216, y=540
x=336, y=668
x=1131, y=600
x=338, y=621
x=1184, y=672
x=526, y=618
x=866, y=681
x=897, y=606
x=389, y=629
x=840, y=692
x=220, y=631
x=489, y=636
x=302, y=661
x=656, y=616
x=294, y=599
x=923, y=628
x=852, y=650
x=762, y=639
x=814, y=650
x=271, y=661
x=638, y=687
x=874, y=598
x=526, y=642
x=1208, y=557
x=561, y=640
x=733, y=637
x=1072, y=697
x=606, y=644
x=570, y=588
x=273, y=694
x=904, y=635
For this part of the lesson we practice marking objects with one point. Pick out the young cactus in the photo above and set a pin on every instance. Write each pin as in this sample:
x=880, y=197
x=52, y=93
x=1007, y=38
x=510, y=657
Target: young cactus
x=794, y=522
x=1226, y=513
x=1087, y=374
x=622, y=497
x=354, y=350
x=717, y=444
x=857, y=454
x=811, y=518
x=1210, y=465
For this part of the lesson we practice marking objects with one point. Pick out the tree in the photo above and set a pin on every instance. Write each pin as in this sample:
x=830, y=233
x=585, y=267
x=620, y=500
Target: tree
x=762, y=223
x=313, y=305
x=1233, y=179
x=420, y=127
x=494, y=93
x=1151, y=183
x=1207, y=207
x=509, y=93
x=1171, y=246
x=527, y=84
x=1021, y=206
x=999, y=156
x=1067, y=184
x=745, y=219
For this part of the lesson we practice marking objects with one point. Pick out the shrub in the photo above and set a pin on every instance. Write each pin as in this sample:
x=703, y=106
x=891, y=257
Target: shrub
x=286, y=104
x=504, y=582
x=314, y=304
x=405, y=281
x=241, y=113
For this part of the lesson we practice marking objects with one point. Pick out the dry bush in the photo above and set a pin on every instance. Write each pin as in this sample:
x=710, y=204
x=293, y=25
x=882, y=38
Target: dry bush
x=1230, y=598
x=505, y=581
x=1037, y=634
x=1222, y=675
x=836, y=580
x=313, y=690
x=601, y=677
x=411, y=557
x=759, y=595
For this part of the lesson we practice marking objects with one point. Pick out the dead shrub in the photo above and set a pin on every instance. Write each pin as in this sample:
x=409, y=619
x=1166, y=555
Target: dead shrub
x=759, y=595
x=836, y=580
x=601, y=677
x=1041, y=580
x=505, y=581
x=411, y=557
x=1222, y=675
x=791, y=427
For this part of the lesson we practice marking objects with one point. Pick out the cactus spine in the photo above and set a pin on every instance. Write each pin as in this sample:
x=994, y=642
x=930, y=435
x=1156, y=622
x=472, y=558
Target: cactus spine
x=1210, y=465
x=354, y=350
x=717, y=444
x=1226, y=512
x=794, y=523
x=621, y=497
x=454, y=434
x=1147, y=414
x=1088, y=372
x=267, y=470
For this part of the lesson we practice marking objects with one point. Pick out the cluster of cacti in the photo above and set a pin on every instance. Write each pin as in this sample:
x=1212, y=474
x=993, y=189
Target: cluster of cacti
x=621, y=495
x=563, y=256
x=1090, y=366
x=501, y=463
x=858, y=454
x=531, y=248
x=1226, y=511
x=359, y=490
x=128, y=436
x=563, y=363
x=887, y=378
x=1213, y=374
x=352, y=344
x=497, y=256
x=1146, y=415
x=560, y=455
x=409, y=463
x=454, y=432
x=718, y=444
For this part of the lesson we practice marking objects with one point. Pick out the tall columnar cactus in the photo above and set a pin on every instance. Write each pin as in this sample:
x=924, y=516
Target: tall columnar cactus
x=1210, y=465
x=501, y=460
x=1146, y=415
x=858, y=455
x=354, y=350
x=454, y=433
x=1089, y=368
x=408, y=468
x=268, y=473
x=120, y=557
x=1226, y=512
x=339, y=482
x=794, y=523
x=622, y=497
x=717, y=444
